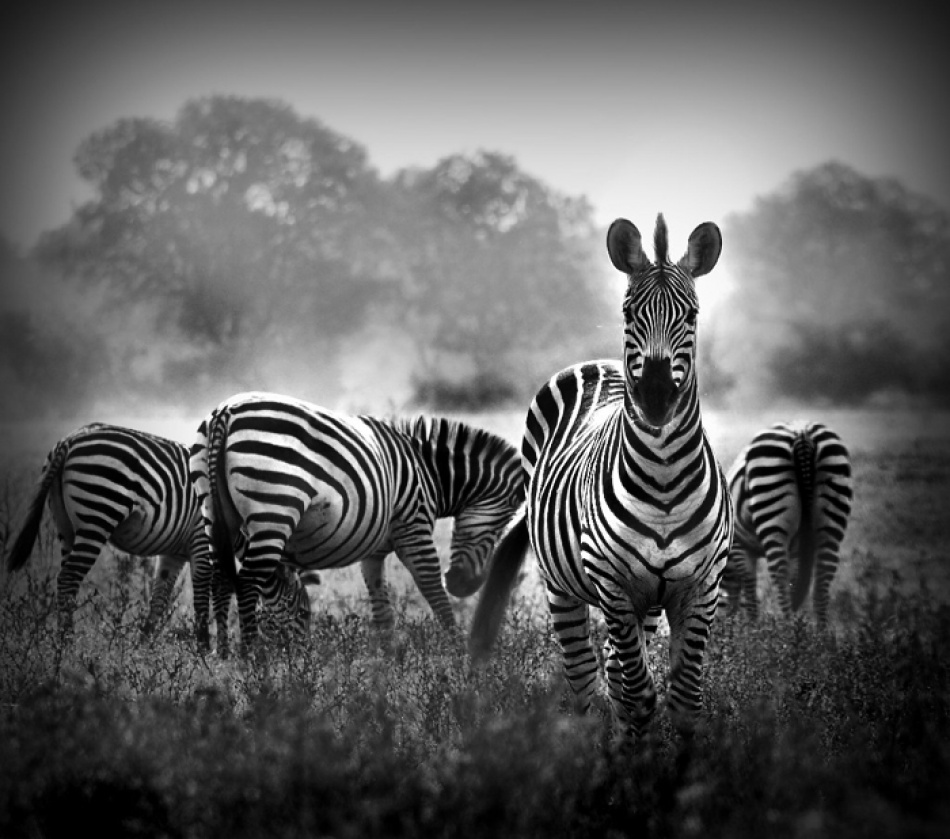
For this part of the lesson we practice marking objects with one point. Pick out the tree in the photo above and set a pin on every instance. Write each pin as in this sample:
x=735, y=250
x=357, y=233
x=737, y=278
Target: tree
x=497, y=267
x=833, y=270
x=239, y=229
x=50, y=362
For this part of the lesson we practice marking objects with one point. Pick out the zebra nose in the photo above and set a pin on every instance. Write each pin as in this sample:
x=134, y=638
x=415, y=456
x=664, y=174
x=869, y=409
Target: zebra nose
x=460, y=584
x=655, y=391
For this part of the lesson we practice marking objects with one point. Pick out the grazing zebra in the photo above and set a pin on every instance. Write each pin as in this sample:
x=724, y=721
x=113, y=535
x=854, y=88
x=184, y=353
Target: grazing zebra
x=326, y=490
x=106, y=483
x=284, y=600
x=627, y=508
x=791, y=487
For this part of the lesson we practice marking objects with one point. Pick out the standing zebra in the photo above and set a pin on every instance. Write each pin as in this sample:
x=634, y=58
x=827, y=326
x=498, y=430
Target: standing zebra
x=791, y=487
x=627, y=508
x=327, y=489
x=106, y=483
x=111, y=484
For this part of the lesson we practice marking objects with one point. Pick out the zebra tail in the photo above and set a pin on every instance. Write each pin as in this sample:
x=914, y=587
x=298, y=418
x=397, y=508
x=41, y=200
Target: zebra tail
x=220, y=537
x=26, y=538
x=803, y=457
x=506, y=562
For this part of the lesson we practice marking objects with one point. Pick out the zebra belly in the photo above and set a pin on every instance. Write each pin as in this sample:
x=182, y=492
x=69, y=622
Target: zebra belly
x=134, y=536
x=333, y=535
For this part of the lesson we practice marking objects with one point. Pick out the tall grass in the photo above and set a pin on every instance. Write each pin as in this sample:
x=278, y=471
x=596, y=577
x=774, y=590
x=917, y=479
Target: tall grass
x=804, y=735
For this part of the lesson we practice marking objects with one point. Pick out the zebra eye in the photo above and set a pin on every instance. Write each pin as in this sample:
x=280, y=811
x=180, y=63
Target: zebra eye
x=691, y=317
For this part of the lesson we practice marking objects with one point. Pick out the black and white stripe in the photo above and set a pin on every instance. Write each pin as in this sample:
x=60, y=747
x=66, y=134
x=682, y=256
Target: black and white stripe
x=627, y=508
x=111, y=484
x=321, y=489
x=792, y=491
x=284, y=604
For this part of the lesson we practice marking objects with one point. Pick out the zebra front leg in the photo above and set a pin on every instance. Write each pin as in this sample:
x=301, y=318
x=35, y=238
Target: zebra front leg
x=373, y=569
x=167, y=570
x=416, y=550
x=570, y=620
x=690, y=624
x=630, y=685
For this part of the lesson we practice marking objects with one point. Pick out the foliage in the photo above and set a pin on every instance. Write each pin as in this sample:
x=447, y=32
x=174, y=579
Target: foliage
x=244, y=246
x=480, y=392
x=42, y=350
x=499, y=264
x=237, y=228
x=843, y=286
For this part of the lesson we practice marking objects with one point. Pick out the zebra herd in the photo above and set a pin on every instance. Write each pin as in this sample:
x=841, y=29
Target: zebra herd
x=616, y=491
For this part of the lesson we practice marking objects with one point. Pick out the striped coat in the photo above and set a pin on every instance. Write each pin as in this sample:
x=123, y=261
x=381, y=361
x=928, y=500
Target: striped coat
x=109, y=484
x=627, y=509
x=321, y=489
x=792, y=490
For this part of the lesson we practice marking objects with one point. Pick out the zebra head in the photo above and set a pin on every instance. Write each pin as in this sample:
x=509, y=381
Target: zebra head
x=477, y=479
x=659, y=313
x=473, y=539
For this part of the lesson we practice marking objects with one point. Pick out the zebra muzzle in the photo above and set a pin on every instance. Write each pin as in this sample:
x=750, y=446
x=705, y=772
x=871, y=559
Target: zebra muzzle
x=458, y=583
x=655, y=393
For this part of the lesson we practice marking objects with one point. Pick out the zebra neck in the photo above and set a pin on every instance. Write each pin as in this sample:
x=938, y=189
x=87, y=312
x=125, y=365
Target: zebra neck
x=672, y=450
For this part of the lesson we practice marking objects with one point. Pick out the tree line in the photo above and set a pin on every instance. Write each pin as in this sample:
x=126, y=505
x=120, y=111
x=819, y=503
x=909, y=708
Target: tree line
x=244, y=246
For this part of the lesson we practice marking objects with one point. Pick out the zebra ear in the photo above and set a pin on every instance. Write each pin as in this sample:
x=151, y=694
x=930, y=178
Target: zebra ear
x=623, y=245
x=702, y=253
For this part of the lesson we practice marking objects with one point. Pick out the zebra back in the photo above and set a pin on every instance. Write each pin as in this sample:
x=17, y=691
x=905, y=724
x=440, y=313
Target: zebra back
x=469, y=465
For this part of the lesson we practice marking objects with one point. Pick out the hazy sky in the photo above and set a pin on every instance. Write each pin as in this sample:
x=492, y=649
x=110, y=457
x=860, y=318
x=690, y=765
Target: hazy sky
x=692, y=108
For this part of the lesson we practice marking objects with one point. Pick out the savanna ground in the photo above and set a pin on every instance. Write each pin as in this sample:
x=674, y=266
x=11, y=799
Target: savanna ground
x=846, y=735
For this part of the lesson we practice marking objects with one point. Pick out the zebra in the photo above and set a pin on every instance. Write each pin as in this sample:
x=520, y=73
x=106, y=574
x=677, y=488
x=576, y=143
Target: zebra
x=325, y=489
x=627, y=508
x=285, y=601
x=106, y=483
x=792, y=491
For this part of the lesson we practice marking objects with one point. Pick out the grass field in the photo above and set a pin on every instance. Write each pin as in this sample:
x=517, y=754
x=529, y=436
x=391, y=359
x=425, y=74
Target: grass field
x=804, y=736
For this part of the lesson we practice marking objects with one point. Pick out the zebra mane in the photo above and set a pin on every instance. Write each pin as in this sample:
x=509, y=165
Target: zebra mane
x=428, y=428
x=661, y=245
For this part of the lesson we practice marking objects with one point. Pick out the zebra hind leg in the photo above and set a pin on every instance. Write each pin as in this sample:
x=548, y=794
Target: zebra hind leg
x=221, y=593
x=167, y=571
x=373, y=569
x=748, y=596
x=826, y=568
x=78, y=557
x=777, y=562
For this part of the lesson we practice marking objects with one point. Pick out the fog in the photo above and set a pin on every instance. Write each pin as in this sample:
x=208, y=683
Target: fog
x=244, y=246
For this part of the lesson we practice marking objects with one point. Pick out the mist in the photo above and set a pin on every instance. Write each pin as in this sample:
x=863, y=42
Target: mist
x=244, y=246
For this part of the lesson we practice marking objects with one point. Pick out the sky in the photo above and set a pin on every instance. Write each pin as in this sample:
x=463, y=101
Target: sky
x=690, y=108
